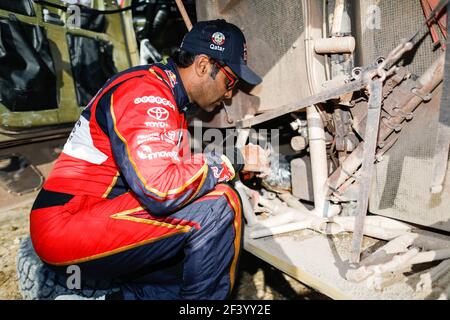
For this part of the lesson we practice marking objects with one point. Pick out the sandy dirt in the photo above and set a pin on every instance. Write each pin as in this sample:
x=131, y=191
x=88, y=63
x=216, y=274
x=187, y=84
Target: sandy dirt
x=255, y=279
x=13, y=228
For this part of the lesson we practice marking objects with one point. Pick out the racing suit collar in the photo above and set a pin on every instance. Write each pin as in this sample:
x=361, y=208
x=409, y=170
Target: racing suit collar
x=182, y=99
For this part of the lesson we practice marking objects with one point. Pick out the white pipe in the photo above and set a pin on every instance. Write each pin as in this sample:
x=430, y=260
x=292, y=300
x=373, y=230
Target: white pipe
x=293, y=202
x=277, y=207
x=337, y=16
x=403, y=242
x=316, y=135
x=281, y=209
x=329, y=209
x=317, y=148
x=324, y=35
x=319, y=168
x=398, y=263
x=282, y=215
x=286, y=219
x=277, y=220
x=381, y=274
x=433, y=255
x=387, y=230
x=310, y=75
x=247, y=207
x=375, y=226
x=397, y=245
x=364, y=272
x=334, y=45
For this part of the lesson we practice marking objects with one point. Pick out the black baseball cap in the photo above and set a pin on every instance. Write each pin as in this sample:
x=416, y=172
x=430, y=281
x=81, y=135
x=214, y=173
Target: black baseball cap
x=221, y=41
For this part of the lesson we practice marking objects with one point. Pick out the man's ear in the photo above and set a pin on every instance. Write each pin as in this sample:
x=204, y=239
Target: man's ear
x=202, y=65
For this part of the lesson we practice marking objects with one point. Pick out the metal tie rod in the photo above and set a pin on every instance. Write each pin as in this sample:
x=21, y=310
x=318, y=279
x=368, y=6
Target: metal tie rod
x=365, y=179
x=311, y=100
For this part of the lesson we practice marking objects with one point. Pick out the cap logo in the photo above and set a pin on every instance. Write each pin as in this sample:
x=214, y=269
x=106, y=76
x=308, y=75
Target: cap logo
x=218, y=38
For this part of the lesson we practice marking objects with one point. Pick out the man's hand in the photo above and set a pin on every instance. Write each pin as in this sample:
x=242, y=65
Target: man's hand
x=255, y=160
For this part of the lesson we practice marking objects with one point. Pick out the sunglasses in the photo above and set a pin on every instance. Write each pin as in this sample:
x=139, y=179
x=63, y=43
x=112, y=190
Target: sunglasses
x=232, y=80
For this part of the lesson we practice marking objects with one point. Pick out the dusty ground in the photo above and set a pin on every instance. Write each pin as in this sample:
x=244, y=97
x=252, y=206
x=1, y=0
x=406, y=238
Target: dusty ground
x=259, y=280
x=255, y=279
x=13, y=227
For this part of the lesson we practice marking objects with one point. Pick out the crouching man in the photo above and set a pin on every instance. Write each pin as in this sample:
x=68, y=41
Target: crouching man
x=123, y=201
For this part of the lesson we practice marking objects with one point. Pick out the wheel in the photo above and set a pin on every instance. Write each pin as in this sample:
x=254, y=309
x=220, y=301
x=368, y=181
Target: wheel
x=39, y=282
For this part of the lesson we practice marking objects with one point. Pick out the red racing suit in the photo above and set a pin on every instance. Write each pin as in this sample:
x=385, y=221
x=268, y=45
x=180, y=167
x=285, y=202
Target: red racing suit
x=132, y=136
x=130, y=147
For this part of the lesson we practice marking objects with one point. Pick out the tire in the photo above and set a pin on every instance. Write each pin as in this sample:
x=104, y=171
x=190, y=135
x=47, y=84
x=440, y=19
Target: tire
x=39, y=282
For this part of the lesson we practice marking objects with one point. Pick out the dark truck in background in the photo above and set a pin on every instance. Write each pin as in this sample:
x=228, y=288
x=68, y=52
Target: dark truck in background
x=54, y=57
x=357, y=204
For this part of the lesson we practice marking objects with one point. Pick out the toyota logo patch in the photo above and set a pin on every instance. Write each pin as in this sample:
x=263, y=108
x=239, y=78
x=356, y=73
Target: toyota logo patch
x=158, y=113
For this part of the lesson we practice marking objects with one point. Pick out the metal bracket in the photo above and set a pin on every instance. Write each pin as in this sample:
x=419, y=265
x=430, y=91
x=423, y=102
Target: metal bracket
x=407, y=115
x=390, y=125
x=424, y=96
